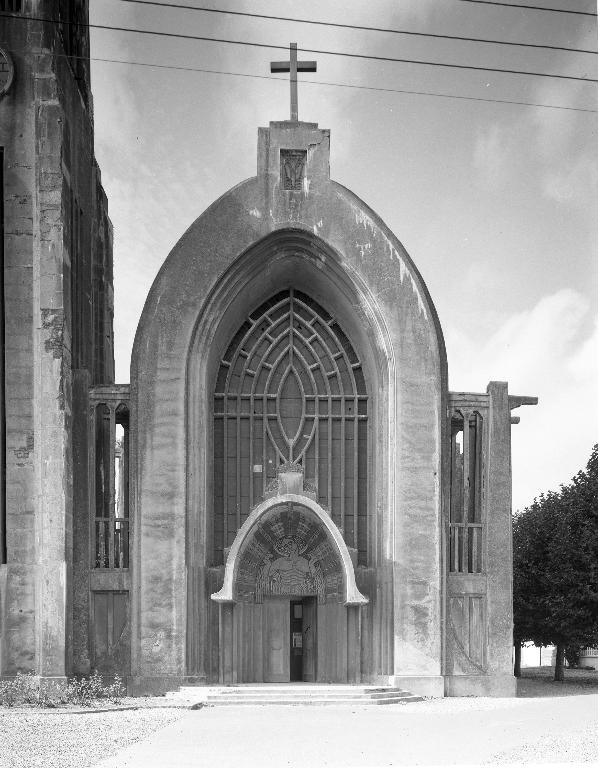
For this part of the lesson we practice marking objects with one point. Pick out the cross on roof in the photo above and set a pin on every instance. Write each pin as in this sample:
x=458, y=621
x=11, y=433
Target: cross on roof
x=293, y=66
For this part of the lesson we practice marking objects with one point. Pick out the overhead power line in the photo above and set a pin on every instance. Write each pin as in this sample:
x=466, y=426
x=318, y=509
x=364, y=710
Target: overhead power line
x=346, y=54
x=359, y=87
x=181, y=68
x=359, y=27
x=530, y=7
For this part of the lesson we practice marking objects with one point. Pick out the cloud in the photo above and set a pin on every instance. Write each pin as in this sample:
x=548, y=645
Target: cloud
x=556, y=130
x=571, y=184
x=490, y=157
x=550, y=351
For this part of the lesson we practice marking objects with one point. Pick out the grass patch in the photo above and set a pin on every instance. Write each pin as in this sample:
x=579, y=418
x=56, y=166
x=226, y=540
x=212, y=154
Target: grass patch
x=538, y=682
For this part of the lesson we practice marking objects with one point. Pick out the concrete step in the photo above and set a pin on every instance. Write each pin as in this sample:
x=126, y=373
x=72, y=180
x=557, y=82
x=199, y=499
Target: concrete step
x=276, y=694
x=320, y=702
x=277, y=688
x=304, y=695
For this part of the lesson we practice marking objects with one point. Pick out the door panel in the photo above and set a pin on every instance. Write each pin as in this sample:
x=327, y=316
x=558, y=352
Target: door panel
x=332, y=643
x=309, y=640
x=296, y=649
x=277, y=639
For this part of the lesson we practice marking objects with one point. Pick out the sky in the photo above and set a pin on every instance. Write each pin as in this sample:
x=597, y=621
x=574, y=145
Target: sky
x=497, y=204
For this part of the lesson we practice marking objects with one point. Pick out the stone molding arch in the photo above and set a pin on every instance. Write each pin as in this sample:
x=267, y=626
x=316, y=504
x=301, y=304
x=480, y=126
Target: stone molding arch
x=285, y=256
x=345, y=257
x=226, y=595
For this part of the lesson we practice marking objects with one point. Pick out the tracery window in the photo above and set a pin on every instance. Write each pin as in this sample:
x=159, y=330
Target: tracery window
x=290, y=389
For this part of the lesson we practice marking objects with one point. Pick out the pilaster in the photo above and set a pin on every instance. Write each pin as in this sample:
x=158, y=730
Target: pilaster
x=52, y=392
x=499, y=554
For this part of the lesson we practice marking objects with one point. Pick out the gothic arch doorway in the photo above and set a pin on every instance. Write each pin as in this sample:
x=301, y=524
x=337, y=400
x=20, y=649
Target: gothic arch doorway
x=290, y=608
x=296, y=274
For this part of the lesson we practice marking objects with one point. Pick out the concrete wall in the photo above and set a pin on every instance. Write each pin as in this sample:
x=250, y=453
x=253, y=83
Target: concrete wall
x=51, y=178
x=479, y=630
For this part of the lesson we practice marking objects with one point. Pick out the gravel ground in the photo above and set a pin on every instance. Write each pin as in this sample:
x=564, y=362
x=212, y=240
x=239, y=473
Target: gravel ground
x=29, y=739
x=542, y=732
x=579, y=746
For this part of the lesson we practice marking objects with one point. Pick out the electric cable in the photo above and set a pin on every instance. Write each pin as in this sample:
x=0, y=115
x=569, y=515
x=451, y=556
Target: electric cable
x=369, y=57
x=359, y=27
x=530, y=7
x=182, y=68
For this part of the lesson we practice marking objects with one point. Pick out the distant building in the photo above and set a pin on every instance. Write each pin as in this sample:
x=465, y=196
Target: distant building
x=545, y=656
x=537, y=656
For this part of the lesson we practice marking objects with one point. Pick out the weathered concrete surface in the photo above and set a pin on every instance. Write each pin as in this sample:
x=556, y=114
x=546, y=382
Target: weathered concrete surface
x=499, y=565
x=56, y=226
x=254, y=240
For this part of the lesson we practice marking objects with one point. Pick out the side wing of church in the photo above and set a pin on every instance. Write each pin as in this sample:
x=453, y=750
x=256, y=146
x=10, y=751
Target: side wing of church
x=287, y=490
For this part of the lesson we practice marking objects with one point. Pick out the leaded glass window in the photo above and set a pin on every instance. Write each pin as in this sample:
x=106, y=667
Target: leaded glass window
x=290, y=389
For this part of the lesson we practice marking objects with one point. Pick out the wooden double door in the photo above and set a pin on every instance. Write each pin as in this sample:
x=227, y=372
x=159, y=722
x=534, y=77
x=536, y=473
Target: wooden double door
x=290, y=642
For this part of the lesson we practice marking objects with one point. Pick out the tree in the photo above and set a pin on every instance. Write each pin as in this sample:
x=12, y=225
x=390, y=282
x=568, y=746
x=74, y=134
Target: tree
x=555, y=567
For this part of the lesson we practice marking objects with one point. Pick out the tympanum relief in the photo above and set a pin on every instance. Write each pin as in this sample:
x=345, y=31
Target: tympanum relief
x=289, y=554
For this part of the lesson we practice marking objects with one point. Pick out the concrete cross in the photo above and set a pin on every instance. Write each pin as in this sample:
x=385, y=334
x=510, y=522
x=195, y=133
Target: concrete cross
x=293, y=66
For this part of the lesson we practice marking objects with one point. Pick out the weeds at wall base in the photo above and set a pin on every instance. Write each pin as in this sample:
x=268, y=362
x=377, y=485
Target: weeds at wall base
x=29, y=690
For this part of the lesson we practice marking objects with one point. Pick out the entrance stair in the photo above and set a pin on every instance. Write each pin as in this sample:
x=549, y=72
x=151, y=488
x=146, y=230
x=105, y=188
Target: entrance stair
x=269, y=694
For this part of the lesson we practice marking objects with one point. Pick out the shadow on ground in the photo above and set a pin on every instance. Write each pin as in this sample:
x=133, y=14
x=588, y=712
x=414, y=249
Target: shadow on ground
x=538, y=682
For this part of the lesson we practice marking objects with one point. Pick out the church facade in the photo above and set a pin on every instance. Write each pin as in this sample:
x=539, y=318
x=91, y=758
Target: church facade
x=286, y=490
x=309, y=500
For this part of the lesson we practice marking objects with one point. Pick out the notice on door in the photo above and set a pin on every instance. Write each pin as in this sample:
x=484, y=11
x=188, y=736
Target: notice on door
x=297, y=640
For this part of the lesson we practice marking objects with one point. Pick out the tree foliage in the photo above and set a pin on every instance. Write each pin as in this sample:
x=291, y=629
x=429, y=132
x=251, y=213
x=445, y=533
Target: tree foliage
x=555, y=566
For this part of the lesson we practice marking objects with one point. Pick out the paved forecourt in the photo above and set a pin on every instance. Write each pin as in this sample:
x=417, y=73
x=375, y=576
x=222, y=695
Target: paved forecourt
x=440, y=732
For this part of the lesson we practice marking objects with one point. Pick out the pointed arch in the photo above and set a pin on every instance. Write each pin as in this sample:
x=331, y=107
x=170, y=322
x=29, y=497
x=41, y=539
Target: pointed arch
x=351, y=596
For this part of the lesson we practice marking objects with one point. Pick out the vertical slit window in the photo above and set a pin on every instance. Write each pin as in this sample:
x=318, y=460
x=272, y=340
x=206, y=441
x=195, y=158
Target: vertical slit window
x=111, y=481
x=78, y=286
x=74, y=18
x=11, y=6
x=102, y=486
x=121, y=484
x=465, y=538
x=3, y=552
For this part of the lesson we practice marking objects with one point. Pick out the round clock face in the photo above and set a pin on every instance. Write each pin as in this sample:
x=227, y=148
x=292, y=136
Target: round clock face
x=7, y=72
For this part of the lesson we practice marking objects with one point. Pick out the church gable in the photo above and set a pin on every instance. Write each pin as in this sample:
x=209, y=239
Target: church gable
x=301, y=333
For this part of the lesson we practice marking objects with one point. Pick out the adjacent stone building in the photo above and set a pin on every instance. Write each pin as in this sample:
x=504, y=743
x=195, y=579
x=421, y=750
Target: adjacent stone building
x=56, y=328
x=287, y=490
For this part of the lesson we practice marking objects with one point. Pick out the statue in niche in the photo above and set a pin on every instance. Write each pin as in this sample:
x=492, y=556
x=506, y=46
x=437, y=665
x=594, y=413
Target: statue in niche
x=292, y=168
x=290, y=573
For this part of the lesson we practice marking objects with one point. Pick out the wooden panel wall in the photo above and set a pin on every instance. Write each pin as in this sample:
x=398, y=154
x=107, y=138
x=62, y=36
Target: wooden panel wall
x=111, y=639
